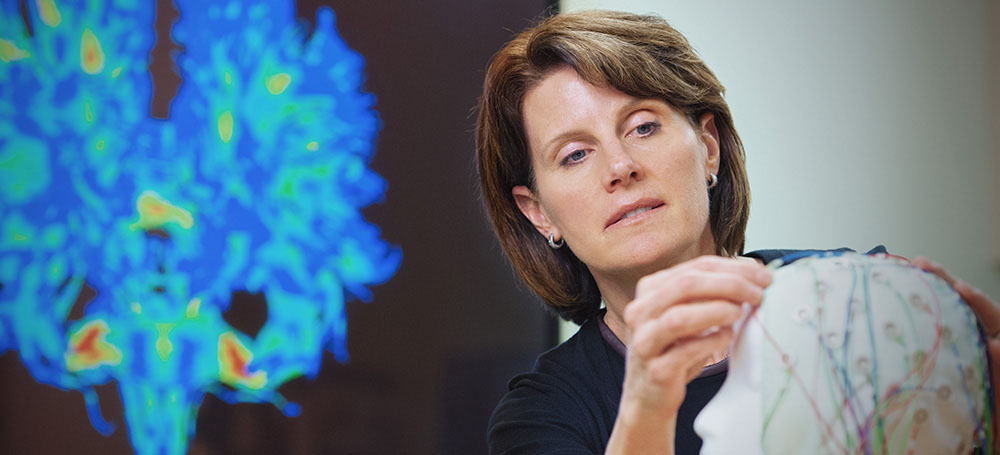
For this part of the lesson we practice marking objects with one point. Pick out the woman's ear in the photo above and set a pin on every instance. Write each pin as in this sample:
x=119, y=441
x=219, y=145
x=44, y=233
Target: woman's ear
x=528, y=203
x=710, y=137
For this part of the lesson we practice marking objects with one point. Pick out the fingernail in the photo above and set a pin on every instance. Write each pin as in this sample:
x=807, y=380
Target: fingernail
x=764, y=276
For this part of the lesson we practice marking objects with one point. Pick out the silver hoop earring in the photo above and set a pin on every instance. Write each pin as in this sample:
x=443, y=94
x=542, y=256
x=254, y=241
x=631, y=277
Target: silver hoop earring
x=713, y=180
x=553, y=244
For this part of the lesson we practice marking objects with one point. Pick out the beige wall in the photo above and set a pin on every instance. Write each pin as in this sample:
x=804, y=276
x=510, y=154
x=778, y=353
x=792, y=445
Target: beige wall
x=995, y=42
x=864, y=122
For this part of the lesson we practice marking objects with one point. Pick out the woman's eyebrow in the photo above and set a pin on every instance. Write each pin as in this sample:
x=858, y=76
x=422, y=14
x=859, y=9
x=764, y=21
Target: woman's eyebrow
x=630, y=108
x=551, y=147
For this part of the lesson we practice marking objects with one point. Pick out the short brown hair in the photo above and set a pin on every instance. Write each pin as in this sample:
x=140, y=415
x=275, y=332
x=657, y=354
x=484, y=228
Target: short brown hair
x=639, y=55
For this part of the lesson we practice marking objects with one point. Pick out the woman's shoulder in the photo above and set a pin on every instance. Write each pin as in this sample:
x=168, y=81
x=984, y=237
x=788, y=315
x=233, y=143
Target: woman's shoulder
x=573, y=363
x=569, y=398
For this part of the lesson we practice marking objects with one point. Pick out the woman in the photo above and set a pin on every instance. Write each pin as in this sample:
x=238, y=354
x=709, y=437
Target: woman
x=612, y=173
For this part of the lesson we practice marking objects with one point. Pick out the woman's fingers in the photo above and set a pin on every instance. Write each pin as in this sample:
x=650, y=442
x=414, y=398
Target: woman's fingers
x=985, y=308
x=712, y=278
x=688, y=356
x=746, y=267
x=682, y=321
x=680, y=317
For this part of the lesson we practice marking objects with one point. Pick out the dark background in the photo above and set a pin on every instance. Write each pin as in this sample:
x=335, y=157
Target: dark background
x=430, y=355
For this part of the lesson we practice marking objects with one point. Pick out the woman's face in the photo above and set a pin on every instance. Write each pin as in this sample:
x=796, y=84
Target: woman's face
x=622, y=180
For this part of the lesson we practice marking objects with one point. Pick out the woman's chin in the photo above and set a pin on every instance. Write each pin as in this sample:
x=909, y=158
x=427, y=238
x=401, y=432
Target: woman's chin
x=645, y=259
x=659, y=252
x=640, y=254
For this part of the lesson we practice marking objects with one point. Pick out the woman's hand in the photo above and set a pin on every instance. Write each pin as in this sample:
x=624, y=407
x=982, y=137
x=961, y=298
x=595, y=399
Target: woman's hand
x=988, y=313
x=679, y=319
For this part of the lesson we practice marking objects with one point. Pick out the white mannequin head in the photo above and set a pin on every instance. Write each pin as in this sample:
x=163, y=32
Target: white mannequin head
x=853, y=354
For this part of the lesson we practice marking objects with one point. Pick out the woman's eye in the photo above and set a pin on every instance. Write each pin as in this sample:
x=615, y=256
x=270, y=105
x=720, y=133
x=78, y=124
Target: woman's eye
x=646, y=128
x=574, y=157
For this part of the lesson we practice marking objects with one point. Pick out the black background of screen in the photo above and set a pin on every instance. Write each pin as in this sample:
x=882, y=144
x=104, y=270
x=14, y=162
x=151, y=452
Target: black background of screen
x=431, y=354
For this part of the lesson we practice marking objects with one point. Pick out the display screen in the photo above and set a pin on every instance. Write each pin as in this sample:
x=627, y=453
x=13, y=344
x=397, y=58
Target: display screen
x=126, y=241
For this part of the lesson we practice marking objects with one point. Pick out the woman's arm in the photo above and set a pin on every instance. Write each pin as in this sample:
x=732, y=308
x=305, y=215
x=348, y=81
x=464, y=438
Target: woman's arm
x=679, y=318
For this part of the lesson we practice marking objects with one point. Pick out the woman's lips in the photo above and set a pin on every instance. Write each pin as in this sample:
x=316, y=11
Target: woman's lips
x=633, y=212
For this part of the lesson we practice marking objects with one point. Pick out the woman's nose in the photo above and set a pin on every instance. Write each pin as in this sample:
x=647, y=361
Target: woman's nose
x=623, y=169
